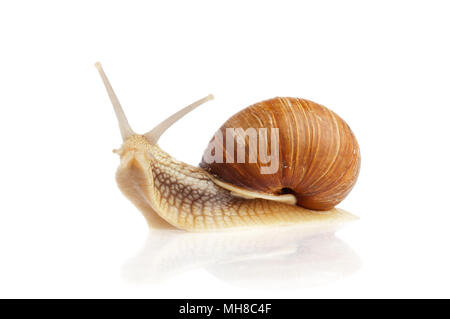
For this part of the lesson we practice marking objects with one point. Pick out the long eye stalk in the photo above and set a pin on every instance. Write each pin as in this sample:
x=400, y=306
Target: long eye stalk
x=125, y=128
x=154, y=135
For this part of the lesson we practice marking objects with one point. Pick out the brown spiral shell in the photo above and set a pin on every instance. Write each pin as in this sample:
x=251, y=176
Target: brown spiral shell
x=319, y=157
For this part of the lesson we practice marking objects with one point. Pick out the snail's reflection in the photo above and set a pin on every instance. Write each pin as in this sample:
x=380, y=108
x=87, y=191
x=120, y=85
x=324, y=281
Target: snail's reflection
x=282, y=257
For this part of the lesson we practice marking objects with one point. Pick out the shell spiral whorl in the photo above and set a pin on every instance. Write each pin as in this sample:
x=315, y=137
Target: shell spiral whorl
x=319, y=157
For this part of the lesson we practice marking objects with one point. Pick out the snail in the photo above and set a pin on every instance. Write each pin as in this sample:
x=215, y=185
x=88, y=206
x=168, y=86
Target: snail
x=316, y=155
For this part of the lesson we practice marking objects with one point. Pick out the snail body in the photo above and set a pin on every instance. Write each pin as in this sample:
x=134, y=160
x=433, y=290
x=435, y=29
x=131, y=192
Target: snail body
x=171, y=193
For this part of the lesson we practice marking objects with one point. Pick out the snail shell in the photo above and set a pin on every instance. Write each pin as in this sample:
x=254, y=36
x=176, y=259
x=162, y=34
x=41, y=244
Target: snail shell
x=319, y=157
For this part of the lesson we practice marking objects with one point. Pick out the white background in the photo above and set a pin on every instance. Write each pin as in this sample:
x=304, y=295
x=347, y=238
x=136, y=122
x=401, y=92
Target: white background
x=67, y=231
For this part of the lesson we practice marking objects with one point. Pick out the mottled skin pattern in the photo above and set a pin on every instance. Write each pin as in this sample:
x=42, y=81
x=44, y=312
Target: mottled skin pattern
x=171, y=192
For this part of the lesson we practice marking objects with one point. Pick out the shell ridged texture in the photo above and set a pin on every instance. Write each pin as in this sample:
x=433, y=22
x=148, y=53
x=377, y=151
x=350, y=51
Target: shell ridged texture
x=319, y=157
